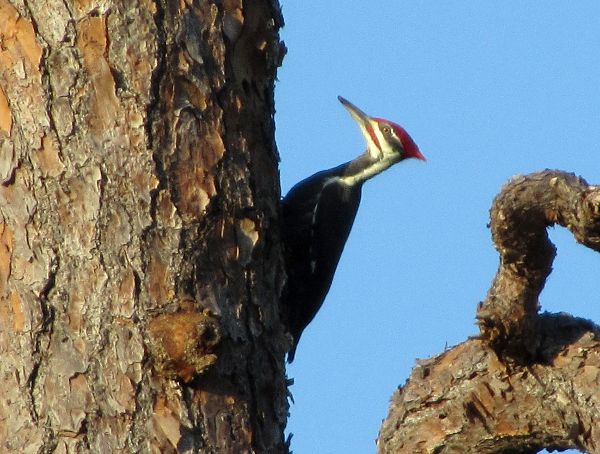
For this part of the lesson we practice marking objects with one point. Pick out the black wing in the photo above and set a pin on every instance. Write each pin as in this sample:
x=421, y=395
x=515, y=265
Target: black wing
x=318, y=214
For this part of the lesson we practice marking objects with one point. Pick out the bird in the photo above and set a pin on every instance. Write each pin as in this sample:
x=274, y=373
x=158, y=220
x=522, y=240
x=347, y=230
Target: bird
x=318, y=213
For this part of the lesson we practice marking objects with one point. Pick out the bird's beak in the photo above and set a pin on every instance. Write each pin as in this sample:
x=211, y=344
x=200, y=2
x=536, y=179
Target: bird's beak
x=359, y=116
x=365, y=123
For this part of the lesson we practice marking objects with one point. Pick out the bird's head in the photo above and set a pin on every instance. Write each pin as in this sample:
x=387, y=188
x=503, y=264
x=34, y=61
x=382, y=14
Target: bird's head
x=385, y=139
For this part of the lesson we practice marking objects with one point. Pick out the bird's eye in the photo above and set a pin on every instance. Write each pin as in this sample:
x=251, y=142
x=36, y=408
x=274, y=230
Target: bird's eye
x=386, y=130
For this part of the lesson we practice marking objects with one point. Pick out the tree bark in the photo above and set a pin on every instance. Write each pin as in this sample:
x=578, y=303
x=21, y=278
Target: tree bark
x=529, y=381
x=139, y=264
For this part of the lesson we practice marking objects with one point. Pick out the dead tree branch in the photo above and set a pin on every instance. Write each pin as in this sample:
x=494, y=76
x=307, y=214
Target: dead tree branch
x=529, y=381
x=519, y=216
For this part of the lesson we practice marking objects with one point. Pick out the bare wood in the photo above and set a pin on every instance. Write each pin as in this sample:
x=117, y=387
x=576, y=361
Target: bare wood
x=529, y=381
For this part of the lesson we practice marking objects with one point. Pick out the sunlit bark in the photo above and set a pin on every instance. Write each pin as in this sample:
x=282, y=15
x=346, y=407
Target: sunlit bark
x=139, y=266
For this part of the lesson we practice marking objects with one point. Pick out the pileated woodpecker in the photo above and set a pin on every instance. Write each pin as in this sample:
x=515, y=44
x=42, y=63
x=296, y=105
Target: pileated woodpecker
x=318, y=214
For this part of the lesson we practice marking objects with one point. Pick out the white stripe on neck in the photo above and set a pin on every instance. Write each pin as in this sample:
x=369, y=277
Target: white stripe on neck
x=369, y=172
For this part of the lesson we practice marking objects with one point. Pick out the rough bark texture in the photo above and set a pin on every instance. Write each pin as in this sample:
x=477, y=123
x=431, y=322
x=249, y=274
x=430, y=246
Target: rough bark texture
x=529, y=381
x=139, y=266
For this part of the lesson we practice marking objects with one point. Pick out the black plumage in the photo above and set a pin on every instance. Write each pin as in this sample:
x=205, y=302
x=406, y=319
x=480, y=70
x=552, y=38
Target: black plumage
x=318, y=214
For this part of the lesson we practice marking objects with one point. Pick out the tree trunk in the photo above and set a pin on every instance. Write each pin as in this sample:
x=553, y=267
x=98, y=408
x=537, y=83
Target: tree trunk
x=139, y=264
x=529, y=381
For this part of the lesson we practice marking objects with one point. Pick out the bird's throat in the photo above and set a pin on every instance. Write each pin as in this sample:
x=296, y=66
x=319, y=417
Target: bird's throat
x=365, y=167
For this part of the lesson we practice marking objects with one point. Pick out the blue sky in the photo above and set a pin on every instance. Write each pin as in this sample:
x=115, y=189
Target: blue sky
x=487, y=90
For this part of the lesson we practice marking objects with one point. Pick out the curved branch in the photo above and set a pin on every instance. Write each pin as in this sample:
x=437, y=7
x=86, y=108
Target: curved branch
x=529, y=381
x=519, y=216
